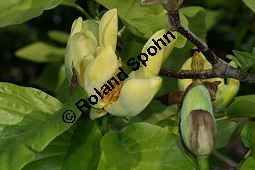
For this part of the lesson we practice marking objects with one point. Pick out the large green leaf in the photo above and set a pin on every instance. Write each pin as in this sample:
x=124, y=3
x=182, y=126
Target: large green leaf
x=142, y=146
x=19, y=11
x=142, y=21
x=53, y=156
x=132, y=46
x=156, y=111
x=41, y=52
x=225, y=129
x=250, y=4
x=196, y=17
x=30, y=120
x=84, y=152
x=248, y=136
x=63, y=92
x=75, y=149
x=242, y=106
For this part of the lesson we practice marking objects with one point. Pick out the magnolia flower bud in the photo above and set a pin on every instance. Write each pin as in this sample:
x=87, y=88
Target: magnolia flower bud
x=198, y=127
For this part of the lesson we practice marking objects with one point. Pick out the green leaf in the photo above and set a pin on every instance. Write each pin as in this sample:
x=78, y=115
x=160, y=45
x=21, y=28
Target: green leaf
x=19, y=11
x=41, y=52
x=58, y=36
x=192, y=12
x=242, y=106
x=53, y=156
x=248, y=136
x=85, y=148
x=132, y=46
x=30, y=120
x=249, y=164
x=63, y=92
x=250, y=4
x=142, y=146
x=156, y=111
x=51, y=77
x=225, y=129
x=244, y=60
x=66, y=151
x=141, y=21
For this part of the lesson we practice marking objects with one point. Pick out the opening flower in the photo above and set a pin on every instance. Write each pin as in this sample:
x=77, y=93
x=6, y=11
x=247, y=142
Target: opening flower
x=92, y=53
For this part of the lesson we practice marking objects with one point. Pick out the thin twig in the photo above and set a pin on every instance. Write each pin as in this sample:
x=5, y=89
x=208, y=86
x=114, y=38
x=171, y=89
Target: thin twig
x=231, y=72
x=188, y=74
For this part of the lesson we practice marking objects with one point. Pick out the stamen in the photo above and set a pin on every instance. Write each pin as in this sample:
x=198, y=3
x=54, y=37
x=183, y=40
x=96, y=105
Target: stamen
x=113, y=95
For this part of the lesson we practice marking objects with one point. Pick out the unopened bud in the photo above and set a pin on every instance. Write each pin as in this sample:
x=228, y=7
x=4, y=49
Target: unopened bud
x=198, y=127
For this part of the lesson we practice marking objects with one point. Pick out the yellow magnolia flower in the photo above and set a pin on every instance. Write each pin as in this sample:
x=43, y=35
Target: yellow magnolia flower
x=108, y=87
x=225, y=91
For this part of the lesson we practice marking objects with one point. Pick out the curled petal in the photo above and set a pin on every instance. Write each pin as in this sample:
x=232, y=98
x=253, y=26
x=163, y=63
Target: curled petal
x=108, y=29
x=76, y=26
x=135, y=95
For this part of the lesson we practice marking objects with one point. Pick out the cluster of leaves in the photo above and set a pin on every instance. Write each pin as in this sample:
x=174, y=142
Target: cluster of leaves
x=34, y=136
